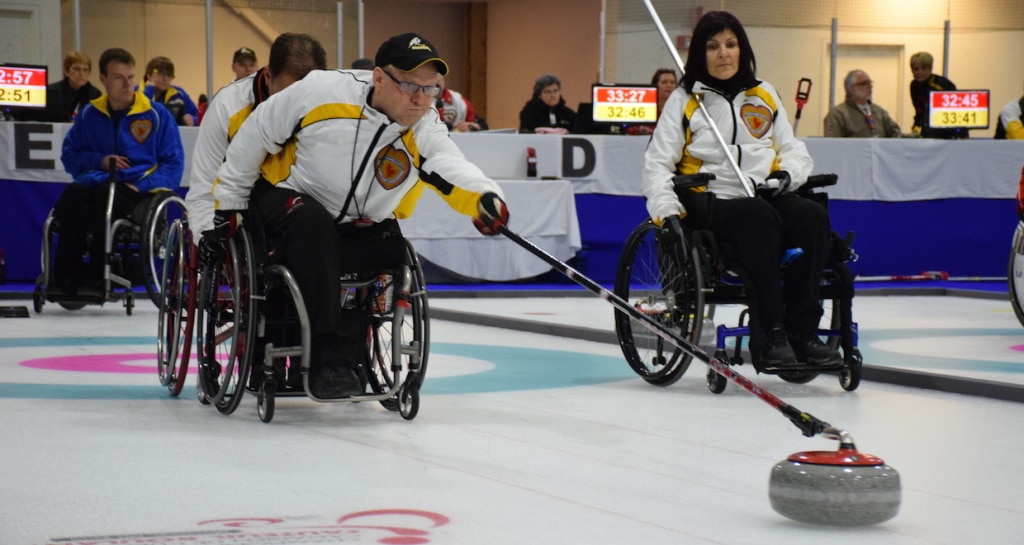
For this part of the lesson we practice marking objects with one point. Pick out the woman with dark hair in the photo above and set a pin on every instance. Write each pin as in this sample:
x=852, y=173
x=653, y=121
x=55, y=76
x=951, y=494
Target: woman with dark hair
x=666, y=81
x=546, y=110
x=721, y=73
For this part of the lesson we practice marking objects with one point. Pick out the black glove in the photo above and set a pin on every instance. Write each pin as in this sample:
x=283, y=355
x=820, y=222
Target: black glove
x=493, y=214
x=214, y=243
x=671, y=230
x=777, y=183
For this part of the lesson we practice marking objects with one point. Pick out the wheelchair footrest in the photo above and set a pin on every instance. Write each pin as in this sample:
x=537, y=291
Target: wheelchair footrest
x=803, y=368
x=84, y=297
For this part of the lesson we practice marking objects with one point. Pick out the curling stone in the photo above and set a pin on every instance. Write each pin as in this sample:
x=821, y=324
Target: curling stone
x=835, y=488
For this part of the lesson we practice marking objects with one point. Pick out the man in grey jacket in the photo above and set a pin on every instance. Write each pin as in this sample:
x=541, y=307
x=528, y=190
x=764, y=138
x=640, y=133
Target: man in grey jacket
x=858, y=117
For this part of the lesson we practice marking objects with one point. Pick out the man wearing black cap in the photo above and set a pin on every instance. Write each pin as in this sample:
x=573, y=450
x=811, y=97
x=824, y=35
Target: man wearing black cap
x=244, y=62
x=354, y=149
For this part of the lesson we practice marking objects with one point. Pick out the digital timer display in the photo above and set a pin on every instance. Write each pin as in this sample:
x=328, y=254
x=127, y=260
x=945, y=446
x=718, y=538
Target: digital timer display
x=625, y=104
x=22, y=86
x=958, y=109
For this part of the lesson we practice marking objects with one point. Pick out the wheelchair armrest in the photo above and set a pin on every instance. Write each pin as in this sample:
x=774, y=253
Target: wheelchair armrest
x=815, y=181
x=689, y=181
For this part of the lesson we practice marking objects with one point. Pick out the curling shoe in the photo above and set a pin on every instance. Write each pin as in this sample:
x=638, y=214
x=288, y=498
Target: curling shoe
x=777, y=352
x=811, y=350
x=336, y=380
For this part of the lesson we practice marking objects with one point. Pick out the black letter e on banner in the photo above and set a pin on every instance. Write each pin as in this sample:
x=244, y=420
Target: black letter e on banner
x=23, y=146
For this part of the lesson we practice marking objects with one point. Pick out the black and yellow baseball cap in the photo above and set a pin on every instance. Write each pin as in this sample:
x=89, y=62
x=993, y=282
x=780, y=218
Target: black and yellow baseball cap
x=408, y=52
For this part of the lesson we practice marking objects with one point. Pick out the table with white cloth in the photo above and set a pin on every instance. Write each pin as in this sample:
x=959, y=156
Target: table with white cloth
x=542, y=211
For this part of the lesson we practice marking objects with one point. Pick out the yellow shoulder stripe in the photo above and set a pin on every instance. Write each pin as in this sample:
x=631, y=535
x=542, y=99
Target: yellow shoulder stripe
x=332, y=111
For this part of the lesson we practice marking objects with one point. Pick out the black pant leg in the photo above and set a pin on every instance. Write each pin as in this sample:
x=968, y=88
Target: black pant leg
x=125, y=201
x=754, y=228
x=806, y=226
x=73, y=211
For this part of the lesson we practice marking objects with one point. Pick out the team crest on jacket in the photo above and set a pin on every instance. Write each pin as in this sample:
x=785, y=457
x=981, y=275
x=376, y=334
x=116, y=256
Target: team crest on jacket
x=758, y=119
x=140, y=129
x=392, y=167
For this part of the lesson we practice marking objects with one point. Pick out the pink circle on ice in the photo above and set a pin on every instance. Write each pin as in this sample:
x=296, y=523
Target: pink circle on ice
x=96, y=363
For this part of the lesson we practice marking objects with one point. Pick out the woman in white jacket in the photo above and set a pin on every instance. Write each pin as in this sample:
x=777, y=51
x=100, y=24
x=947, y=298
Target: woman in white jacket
x=721, y=71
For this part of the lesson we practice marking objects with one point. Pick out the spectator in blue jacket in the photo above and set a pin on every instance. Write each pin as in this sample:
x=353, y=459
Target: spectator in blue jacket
x=123, y=130
x=158, y=88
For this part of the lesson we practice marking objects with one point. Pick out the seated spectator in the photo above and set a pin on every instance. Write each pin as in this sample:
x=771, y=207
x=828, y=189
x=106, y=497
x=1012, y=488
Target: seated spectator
x=202, y=103
x=1011, y=121
x=666, y=81
x=546, y=111
x=362, y=64
x=858, y=117
x=457, y=111
x=924, y=83
x=244, y=62
x=67, y=97
x=158, y=88
x=123, y=130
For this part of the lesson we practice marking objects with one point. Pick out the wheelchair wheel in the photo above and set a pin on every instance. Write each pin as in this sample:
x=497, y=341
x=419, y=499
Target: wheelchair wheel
x=664, y=282
x=399, y=335
x=166, y=210
x=1015, y=273
x=716, y=383
x=38, y=300
x=225, y=325
x=265, y=400
x=177, y=308
x=409, y=400
x=849, y=378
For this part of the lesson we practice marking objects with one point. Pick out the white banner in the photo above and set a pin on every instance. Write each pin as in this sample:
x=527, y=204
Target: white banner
x=30, y=152
x=869, y=169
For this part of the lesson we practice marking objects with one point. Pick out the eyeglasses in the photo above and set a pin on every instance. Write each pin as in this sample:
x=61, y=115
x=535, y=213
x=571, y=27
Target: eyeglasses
x=868, y=82
x=411, y=88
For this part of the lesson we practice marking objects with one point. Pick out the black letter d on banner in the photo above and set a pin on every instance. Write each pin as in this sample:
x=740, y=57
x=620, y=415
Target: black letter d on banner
x=569, y=146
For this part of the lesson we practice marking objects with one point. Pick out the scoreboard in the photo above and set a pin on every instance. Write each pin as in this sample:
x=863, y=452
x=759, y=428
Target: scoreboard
x=22, y=86
x=625, y=104
x=958, y=109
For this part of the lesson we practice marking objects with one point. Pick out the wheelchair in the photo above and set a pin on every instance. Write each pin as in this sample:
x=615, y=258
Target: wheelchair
x=1015, y=272
x=134, y=248
x=1015, y=267
x=680, y=284
x=251, y=320
x=177, y=308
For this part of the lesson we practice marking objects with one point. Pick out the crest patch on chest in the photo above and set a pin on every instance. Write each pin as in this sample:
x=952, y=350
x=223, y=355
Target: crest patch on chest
x=391, y=167
x=757, y=119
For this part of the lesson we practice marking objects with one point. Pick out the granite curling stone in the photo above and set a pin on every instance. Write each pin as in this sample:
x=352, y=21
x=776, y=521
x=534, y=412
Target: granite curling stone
x=835, y=488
